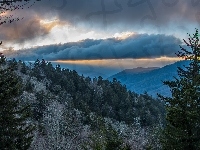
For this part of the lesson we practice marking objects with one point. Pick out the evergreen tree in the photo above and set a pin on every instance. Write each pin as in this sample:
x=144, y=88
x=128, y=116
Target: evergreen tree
x=182, y=130
x=12, y=5
x=15, y=133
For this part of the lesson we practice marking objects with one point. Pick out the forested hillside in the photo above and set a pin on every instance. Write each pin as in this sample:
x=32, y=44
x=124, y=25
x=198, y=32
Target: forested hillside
x=76, y=112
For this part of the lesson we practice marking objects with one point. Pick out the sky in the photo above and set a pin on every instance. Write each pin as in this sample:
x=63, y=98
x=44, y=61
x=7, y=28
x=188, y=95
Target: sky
x=105, y=35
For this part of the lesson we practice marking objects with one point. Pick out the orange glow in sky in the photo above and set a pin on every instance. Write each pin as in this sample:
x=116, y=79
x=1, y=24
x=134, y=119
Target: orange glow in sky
x=124, y=63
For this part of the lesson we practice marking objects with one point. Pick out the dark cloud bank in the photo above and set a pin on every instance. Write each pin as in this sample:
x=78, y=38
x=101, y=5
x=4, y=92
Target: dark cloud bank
x=100, y=14
x=136, y=46
x=126, y=11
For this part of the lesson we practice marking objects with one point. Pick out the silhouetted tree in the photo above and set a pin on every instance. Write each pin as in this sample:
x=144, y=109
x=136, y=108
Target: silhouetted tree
x=183, y=108
x=12, y=5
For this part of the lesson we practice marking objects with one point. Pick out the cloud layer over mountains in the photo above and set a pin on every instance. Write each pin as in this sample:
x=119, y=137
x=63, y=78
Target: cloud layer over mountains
x=136, y=46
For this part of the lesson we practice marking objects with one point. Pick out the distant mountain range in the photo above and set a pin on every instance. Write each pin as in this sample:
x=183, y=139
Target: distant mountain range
x=150, y=79
x=138, y=70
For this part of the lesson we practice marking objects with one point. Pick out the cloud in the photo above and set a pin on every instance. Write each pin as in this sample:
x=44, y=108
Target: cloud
x=136, y=46
x=131, y=12
x=109, y=16
x=30, y=27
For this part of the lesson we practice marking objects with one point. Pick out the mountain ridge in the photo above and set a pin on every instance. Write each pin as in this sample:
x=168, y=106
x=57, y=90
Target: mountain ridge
x=151, y=81
x=139, y=70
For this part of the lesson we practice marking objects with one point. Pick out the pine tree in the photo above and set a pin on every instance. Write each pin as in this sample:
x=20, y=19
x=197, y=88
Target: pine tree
x=182, y=131
x=15, y=133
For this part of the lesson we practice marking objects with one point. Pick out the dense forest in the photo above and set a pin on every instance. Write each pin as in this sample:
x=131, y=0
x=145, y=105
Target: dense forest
x=70, y=111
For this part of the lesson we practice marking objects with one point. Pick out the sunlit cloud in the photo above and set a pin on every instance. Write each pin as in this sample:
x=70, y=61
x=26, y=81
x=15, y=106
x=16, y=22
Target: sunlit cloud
x=123, y=63
x=124, y=35
x=50, y=24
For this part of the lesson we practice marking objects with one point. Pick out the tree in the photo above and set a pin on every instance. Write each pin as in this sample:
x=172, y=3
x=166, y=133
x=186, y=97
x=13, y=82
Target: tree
x=182, y=130
x=104, y=136
x=15, y=131
x=12, y=5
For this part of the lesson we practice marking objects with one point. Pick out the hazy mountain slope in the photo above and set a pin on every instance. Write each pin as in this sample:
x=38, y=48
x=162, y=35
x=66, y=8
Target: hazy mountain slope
x=139, y=70
x=149, y=81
